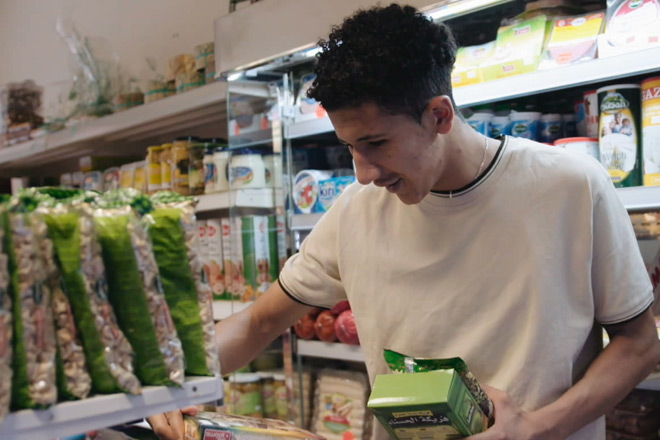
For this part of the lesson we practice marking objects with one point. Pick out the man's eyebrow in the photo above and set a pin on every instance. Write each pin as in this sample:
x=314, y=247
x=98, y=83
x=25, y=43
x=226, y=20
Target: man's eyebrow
x=363, y=138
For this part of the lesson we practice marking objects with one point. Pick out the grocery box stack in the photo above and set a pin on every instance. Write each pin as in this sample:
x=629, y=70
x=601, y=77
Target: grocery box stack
x=99, y=294
x=241, y=256
x=551, y=34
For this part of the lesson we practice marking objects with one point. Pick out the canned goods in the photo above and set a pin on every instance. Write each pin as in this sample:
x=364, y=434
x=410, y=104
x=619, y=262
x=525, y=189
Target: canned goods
x=245, y=395
x=196, y=168
x=166, y=167
x=619, y=133
x=651, y=130
x=180, y=164
x=591, y=113
x=281, y=397
x=154, y=174
x=268, y=394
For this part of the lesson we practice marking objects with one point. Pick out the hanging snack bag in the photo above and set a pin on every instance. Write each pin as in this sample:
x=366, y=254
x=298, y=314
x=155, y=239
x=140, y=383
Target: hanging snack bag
x=135, y=288
x=73, y=380
x=176, y=249
x=34, y=383
x=5, y=330
x=108, y=353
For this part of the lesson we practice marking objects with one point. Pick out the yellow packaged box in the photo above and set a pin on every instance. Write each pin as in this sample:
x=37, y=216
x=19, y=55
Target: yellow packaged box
x=467, y=68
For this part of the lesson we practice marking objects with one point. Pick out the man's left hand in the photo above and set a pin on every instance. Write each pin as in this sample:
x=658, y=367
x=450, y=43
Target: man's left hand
x=511, y=422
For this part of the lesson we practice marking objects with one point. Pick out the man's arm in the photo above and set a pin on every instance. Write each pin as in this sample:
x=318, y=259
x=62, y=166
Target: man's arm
x=633, y=352
x=240, y=338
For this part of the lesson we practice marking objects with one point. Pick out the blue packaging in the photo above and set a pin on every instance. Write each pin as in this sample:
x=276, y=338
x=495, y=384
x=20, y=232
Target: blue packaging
x=550, y=128
x=329, y=191
x=499, y=126
x=525, y=124
x=481, y=122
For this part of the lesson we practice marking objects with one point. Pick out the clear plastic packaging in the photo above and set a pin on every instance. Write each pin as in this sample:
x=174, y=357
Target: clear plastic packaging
x=34, y=384
x=73, y=380
x=108, y=353
x=136, y=289
x=5, y=331
x=175, y=241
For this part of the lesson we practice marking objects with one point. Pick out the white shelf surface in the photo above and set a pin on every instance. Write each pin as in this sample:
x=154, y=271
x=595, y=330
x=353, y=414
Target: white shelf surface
x=71, y=418
x=330, y=350
x=640, y=198
x=305, y=222
x=651, y=383
x=589, y=72
x=224, y=309
x=170, y=115
x=239, y=198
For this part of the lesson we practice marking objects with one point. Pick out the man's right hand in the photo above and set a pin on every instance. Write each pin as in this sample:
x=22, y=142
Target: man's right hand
x=169, y=426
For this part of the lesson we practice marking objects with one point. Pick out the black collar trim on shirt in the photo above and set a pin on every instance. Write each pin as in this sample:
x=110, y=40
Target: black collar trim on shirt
x=479, y=180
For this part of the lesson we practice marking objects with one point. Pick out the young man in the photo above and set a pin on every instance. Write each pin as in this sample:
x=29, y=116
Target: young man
x=507, y=253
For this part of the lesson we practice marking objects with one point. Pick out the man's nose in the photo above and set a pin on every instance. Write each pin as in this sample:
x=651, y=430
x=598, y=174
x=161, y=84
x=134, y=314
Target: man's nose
x=366, y=171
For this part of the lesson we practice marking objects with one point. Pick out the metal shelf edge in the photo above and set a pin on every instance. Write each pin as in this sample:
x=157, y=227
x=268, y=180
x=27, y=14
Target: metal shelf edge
x=71, y=418
x=330, y=350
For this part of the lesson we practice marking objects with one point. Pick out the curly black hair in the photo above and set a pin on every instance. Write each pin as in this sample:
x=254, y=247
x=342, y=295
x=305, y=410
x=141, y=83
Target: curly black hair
x=393, y=56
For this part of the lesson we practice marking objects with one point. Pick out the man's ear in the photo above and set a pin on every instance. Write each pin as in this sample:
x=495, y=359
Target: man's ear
x=441, y=110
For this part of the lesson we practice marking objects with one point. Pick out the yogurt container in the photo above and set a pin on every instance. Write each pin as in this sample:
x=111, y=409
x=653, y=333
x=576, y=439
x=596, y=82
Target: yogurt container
x=619, y=133
x=330, y=190
x=651, y=130
x=210, y=173
x=550, y=127
x=499, y=126
x=524, y=124
x=584, y=145
x=306, y=189
x=480, y=121
x=246, y=169
x=221, y=164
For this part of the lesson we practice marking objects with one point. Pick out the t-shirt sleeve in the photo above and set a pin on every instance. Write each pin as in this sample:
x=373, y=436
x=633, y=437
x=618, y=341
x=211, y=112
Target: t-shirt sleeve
x=312, y=275
x=621, y=285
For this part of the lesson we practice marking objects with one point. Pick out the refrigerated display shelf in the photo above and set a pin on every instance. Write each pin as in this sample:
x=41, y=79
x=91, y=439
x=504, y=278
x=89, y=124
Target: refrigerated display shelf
x=304, y=222
x=224, y=309
x=72, y=418
x=590, y=72
x=330, y=350
x=171, y=115
x=238, y=198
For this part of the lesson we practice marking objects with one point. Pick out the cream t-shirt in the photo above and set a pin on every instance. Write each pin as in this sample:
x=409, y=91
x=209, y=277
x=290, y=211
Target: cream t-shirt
x=514, y=274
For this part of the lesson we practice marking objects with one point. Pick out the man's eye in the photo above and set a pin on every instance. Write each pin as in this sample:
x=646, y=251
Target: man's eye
x=376, y=143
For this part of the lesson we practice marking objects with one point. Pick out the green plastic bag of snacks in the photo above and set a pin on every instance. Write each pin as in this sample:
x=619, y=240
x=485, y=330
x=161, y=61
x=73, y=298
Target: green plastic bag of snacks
x=400, y=363
x=174, y=238
x=136, y=289
x=73, y=379
x=5, y=330
x=34, y=383
x=108, y=353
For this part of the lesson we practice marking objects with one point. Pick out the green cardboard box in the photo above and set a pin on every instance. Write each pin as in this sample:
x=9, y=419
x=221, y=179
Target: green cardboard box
x=433, y=405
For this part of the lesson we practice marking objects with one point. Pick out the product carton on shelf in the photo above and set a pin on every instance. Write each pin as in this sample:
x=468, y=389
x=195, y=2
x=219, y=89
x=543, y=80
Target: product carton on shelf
x=232, y=251
x=518, y=49
x=632, y=25
x=215, y=258
x=572, y=40
x=256, y=256
x=469, y=61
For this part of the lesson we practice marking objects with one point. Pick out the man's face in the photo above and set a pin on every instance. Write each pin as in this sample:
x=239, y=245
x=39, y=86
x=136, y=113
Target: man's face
x=392, y=151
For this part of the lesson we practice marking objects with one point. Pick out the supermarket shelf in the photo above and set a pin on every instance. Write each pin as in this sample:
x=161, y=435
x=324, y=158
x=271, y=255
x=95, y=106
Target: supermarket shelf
x=309, y=128
x=651, y=383
x=239, y=198
x=594, y=71
x=304, y=222
x=329, y=350
x=598, y=70
x=224, y=309
x=174, y=114
x=71, y=418
x=640, y=198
